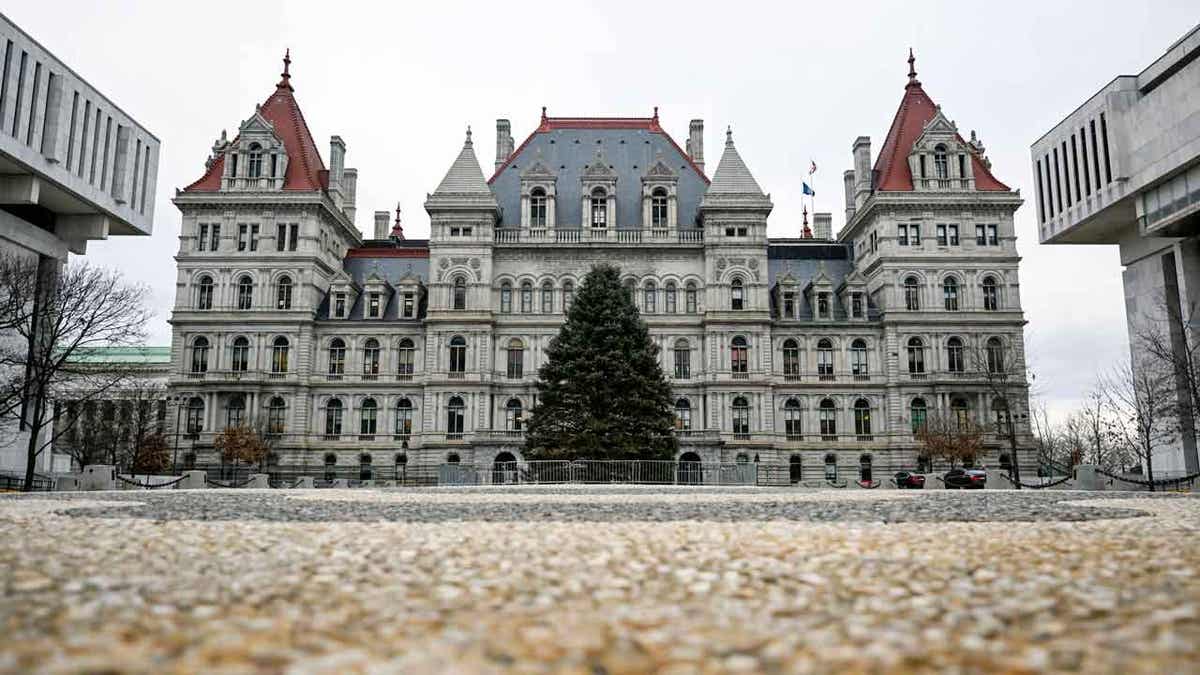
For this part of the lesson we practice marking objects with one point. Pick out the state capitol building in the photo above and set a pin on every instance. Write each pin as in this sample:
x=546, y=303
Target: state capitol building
x=822, y=352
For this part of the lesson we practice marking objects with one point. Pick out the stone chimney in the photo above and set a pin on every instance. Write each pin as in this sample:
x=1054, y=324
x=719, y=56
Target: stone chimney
x=862, y=170
x=504, y=142
x=337, y=160
x=823, y=226
x=848, y=179
x=350, y=187
x=383, y=224
x=695, y=142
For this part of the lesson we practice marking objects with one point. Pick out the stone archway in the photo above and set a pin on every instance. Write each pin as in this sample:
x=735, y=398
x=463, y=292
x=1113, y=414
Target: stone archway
x=690, y=470
x=504, y=468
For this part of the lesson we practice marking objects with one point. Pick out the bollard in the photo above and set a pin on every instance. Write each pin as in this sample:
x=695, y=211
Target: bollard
x=1086, y=478
x=259, y=480
x=193, y=480
x=340, y=483
x=66, y=483
x=306, y=483
x=98, y=477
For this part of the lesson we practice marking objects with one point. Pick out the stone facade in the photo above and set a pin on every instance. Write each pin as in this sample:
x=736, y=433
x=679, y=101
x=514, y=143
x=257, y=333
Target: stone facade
x=780, y=350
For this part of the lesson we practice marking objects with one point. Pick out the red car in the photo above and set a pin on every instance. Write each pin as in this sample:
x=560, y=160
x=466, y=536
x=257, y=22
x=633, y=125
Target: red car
x=965, y=479
x=907, y=480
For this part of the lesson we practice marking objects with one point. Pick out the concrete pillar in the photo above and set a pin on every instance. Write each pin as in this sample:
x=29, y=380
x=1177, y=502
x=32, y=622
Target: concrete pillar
x=66, y=483
x=98, y=477
x=305, y=483
x=193, y=480
x=1086, y=478
x=259, y=480
x=340, y=483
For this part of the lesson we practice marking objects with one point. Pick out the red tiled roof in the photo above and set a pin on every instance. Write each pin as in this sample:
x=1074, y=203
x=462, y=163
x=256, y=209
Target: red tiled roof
x=891, y=167
x=305, y=169
x=644, y=123
x=406, y=252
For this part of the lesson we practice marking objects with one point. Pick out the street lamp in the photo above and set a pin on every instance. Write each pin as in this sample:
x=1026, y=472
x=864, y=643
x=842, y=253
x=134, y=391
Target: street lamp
x=177, y=400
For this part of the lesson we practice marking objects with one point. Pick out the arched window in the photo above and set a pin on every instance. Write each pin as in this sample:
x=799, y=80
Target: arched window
x=690, y=296
x=195, y=415
x=916, y=356
x=739, y=356
x=516, y=359
x=506, y=298
x=1000, y=416
x=831, y=466
x=200, y=355
x=960, y=412
x=370, y=362
x=991, y=294
x=245, y=292
x=795, y=469
x=337, y=356
x=827, y=416
x=279, y=355
x=864, y=467
x=683, y=414
x=650, y=305
x=912, y=293
x=791, y=419
x=368, y=417
x=239, y=360
x=954, y=355
x=276, y=416
x=537, y=207
x=599, y=208
x=283, y=292
x=458, y=354
x=405, y=359
x=741, y=416
x=917, y=413
x=452, y=458
x=995, y=355
x=333, y=417
x=204, y=292
x=859, y=365
x=940, y=168
x=364, y=466
x=683, y=359
x=235, y=411
x=568, y=295
x=454, y=417
x=742, y=458
x=512, y=416
x=737, y=297
x=547, y=298
x=460, y=292
x=670, y=303
x=658, y=208
x=825, y=359
x=862, y=417
x=404, y=418
x=526, y=297
x=791, y=359
x=950, y=294
x=254, y=165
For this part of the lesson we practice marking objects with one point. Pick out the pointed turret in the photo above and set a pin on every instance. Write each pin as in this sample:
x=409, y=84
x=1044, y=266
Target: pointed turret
x=732, y=183
x=464, y=177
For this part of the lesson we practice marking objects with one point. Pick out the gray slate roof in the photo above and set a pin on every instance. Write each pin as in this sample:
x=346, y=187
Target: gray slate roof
x=733, y=177
x=464, y=177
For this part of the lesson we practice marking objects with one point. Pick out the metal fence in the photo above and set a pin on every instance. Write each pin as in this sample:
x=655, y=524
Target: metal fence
x=12, y=482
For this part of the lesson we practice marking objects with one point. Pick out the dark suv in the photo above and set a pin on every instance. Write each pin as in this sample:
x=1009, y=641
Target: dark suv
x=965, y=479
x=907, y=480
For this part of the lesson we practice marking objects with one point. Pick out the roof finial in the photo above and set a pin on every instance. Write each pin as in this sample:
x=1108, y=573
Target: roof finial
x=468, y=135
x=729, y=134
x=912, y=69
x=543, y=113
x=655, y=113
x=285, y=78
x=397, y=229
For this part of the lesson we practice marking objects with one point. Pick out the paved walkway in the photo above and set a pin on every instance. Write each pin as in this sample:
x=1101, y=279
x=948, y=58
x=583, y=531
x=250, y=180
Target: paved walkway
x=613, y=580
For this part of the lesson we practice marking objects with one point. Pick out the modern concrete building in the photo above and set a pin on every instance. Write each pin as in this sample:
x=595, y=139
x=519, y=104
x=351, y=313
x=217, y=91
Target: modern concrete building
x=74, y=168
x=1124, y=168
x=822, y=352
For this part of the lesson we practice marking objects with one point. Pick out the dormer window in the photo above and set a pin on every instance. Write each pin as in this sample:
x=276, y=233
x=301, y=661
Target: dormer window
x=658, y=208
x=255, y=163
x=941, y=170
x=856, y=305
x=789, y=304
x=537, y=208
x=822, y=305
x=339, y=305
x=373, y=305
x=599, y=208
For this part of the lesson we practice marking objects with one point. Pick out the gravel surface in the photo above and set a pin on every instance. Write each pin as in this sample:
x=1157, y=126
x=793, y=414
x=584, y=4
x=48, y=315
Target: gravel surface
x=599, y=580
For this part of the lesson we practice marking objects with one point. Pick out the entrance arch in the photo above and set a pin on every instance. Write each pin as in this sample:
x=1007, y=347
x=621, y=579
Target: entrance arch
x=504, y=468
x=795, y=469
x=690, y=470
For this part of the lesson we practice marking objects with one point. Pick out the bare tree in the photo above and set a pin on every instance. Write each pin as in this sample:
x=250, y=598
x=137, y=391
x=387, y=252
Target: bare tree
x=999, y=362
x=55, y=314
x=1166, y=339
x=127, y=430
x=952, y=439
x=1142, y=412
x=1052, y=440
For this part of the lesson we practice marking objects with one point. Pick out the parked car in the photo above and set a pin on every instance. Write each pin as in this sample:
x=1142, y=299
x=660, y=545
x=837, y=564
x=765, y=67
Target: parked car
x=907, y=480
x=965, y=479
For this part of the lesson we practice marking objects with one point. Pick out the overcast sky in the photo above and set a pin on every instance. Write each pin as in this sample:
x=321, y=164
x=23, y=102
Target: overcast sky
x=401, y=82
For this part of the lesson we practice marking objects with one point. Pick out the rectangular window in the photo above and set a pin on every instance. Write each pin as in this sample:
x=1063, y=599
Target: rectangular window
x=856, y=305
x=789, y=304
x=980, y=235
x=993, y=236
x=202, y=239
x=941, y=235
x=683, y=363
x=953, y=229
x=516, y=365
x=1038, y=184
x=243, y=233
x=216, y=237
x=293, y=236
x=1057, y=183
x=1066, y=172
x=902, y=235
x=408, y=305
x=339, y=305
x=74, y=114
x=914, y=234
x=373, y=305
x=823, y=305
x=1075, y=167
x=280, y=236
x=1104, y=140
x=1095, y=151
x=254, y=237
x=1087, y=174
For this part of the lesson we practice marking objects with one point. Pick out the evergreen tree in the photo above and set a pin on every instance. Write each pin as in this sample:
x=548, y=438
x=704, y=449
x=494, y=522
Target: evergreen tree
x=601, y=392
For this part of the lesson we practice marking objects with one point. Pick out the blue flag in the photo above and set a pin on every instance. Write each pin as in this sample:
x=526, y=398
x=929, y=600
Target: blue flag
x=809, y=191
